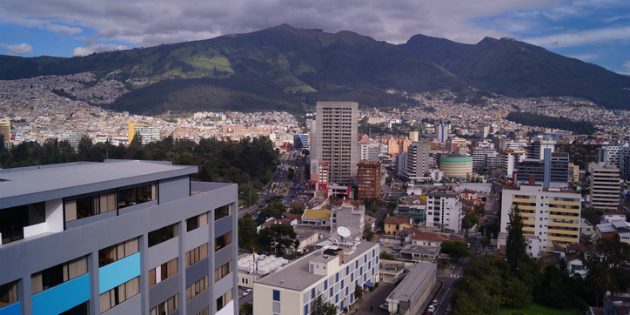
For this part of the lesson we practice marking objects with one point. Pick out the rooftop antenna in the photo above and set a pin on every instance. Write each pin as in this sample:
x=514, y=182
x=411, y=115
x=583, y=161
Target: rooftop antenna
x=344, y=232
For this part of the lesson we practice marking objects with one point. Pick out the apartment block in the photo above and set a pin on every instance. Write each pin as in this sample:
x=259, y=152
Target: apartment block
x=418, y=160
x=120, y=237
x=336, y=135
x=548, y=215
x=369, y=178
x=444, y=210
x=605, y=186
x=331, y=273
x=552, y=171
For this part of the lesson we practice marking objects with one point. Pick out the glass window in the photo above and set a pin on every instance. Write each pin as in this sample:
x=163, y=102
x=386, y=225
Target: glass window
x=222, y=212
x=120, y=294
x=162, y=272
x=223, y=271
x=166, y=307
x=196, y=255
x=84, y=207
x=196, y=222
x=59, y=274
x=223, y=241
x=8, y=293
x=196, y=288
x=81, y=309
x=163, y=234
x=276, y=295
x=116, y=252
x=136, y=195
x=224, y=300
x=204, y=311
x=13, y=220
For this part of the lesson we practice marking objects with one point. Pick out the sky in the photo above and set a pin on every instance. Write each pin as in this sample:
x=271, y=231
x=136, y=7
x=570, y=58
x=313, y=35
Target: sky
x=594, y=31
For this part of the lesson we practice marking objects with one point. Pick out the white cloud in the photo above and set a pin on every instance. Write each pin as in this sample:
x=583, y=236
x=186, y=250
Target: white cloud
x=627, y=65
x=2, y=46
x=61, y=29
x=577, y=38
x=20, y=49
x=84, y=51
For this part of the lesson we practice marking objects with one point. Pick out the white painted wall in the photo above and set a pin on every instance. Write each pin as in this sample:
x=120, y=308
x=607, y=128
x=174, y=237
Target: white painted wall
x=54, y=215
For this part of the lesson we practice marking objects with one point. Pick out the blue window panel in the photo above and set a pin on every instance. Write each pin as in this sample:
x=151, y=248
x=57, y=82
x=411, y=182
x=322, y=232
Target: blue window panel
x=63, y=297
x=331, y=291
x=364, y=278
x=356, y=264
x=306, y=309
x=342, y=305
x=13, y=309
x=342, y=284
x=313, y=293
x=361, y=270
x=336, y=298
x=347, y=270
x=325, y=284
x=352, y=277
x=377, y=259
x=351, y=298
x=118, y=272
x=369, y=265
x=365, y=259
x=276, y=295
x=346, y=291
x=372, y=271
x=373, y=253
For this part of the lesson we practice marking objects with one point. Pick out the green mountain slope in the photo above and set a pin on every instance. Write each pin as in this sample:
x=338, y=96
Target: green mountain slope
x=518, y=69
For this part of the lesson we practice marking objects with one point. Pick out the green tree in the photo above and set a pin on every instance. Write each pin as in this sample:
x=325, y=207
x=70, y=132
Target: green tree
x=297, y=210
x=515, y=244
x=323, y=308
x=469, y=220
x=246, y=231
x=455, y=249
x=387, y=256
x=358, y=292
x=246, y=309
x=368, y=234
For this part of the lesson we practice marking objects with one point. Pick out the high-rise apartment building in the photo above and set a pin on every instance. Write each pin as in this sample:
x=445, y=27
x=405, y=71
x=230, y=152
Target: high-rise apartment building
x=444, y=210
x=580, y=154
x=418, y=160
x=120, y=237
x=336, y=139
x=442, y=133
x=414, y=135
x=369, y=177
x=610, y=154
x=548, y=215
x=510, y=160
x=551, y=172
x=605, y=186
x=368, y=151
x=536, y=149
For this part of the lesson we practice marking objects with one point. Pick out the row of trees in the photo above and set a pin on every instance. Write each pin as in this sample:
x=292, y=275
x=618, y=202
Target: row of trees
x=492, y=282
x=248, y=161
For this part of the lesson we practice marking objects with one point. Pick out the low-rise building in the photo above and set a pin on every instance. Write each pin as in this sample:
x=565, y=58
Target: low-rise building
x=395, y=224
x=320, y=217
x=408, y=297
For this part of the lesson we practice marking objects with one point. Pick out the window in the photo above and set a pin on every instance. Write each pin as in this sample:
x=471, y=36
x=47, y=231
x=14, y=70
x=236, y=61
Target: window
x=222, y=212
x=13, y=220
x=81, y=309
x=136, y=195
x=166, y=307
x=59, y=274
x=223, y=271
x=196, y=255
x=116, y=252
x=224, y=300
x=162, y=272
x=196, y=288
x=196, y=221
x=222, y=241
x=164, y=234
x=8, y=293
x=84, y=207
x=276, y=295
x=120, y=294
x=204, y=311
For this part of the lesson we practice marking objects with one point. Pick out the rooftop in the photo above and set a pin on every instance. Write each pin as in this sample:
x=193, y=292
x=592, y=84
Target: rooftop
x=316, y=214
x=296, y=276
x=413, y=281
x=40, y=183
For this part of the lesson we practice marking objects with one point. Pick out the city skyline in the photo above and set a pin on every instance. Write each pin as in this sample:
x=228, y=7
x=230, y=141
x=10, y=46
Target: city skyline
x=592, y=31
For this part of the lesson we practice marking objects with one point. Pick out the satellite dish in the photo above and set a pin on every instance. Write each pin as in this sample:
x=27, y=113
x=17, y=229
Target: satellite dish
x=343, y=231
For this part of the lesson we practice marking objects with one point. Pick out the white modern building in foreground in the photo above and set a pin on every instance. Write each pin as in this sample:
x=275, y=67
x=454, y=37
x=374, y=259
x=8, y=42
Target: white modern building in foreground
x=332, y=272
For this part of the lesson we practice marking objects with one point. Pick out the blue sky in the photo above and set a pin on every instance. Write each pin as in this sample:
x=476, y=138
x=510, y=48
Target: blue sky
x=595, y=31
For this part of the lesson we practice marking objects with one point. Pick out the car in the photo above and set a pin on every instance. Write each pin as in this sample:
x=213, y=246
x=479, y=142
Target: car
x=435, y=302
x=431, y=308
x=384, y=306
x=397, y=248
x=247, y=292
x=379, y=242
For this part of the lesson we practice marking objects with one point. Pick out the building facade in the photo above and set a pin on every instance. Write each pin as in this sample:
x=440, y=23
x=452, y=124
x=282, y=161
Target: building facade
x=605, y=186
x=548, y=215
x=336, y=138
x=331, y=273
x=552, y=171
x=121, y=237
x=444, y=211
x=369, y=177
x=418, y=160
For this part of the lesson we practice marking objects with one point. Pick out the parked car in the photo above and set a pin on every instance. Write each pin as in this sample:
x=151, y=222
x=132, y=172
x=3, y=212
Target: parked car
x=247, y=292
x=384, y=306
x=397, y=248
x=379, y=242
x=431, y=309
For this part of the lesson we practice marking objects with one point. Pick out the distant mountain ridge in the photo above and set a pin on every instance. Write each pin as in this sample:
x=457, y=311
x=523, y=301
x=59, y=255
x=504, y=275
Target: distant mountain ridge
x=289, y=68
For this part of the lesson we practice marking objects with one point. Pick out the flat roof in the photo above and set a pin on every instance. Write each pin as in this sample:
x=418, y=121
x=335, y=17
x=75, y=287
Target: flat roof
x=21, y=186
x=419, y=273
x=296, y=276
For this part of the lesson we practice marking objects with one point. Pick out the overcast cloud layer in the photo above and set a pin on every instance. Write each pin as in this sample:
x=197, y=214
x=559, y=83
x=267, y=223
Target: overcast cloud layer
x=94, y=26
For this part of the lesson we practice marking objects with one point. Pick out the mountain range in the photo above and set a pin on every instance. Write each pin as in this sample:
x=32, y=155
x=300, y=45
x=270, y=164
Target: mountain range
x=286, y=68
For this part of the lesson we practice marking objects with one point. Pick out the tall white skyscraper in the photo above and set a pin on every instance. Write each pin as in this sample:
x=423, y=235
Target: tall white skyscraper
x=336, y=139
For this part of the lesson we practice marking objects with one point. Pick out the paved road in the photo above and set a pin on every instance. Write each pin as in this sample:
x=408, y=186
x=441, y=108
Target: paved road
x=444, y=297
x=376, y=298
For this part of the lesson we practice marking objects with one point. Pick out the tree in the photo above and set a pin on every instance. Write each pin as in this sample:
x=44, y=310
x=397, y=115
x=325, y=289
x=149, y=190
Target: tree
x=297, y=210
x=246, y=231
x=368, y=234
x=469, y=221
x=387, y=256
x=323, y=308
x=246, y=309
x=516, y=244
x=358, y=292
x=455, y=249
